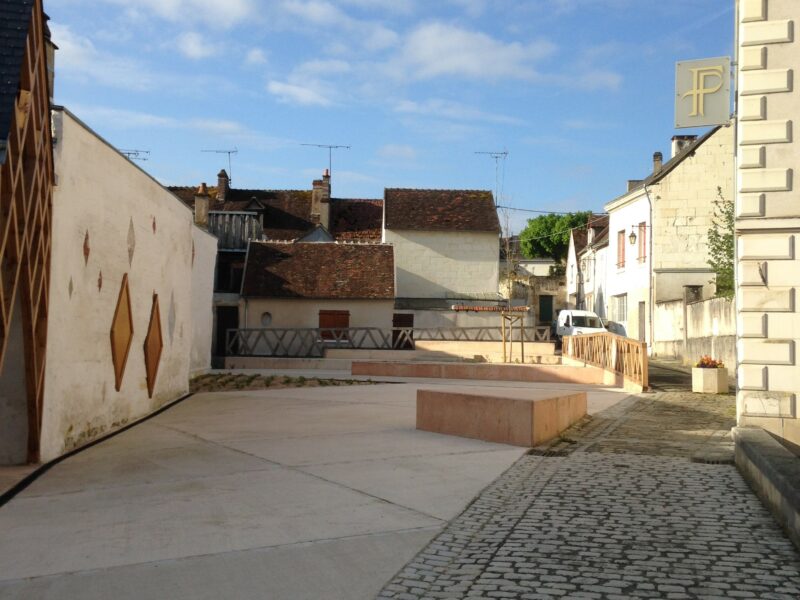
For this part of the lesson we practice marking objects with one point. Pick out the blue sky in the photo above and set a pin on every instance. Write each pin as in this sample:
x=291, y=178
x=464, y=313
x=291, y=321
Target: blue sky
x=580, y=92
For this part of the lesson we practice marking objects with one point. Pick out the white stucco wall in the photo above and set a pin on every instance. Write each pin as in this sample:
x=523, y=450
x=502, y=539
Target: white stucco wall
x=433, y=264
x=205, y=254
x=305, y=313
x=135, y=227
x=768, y=217
x=633, y=278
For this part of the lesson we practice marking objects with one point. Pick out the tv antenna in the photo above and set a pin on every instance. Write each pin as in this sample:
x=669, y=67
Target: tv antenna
x=135, y=154
x=229, y=153
x=331, y=148
x=499, y=176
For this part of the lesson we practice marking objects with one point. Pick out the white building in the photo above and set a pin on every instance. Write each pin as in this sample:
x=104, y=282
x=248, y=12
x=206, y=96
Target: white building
x=658, y=230
x=446, y=252
x=586, y=266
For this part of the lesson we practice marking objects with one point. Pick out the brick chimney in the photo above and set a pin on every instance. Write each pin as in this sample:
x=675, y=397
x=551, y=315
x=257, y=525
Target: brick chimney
x=201, y=205
x=321, y=200
x=223, y=185
x=658, y=162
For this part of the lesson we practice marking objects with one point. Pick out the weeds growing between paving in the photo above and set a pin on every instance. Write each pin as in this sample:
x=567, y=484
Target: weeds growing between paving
x=230, y=382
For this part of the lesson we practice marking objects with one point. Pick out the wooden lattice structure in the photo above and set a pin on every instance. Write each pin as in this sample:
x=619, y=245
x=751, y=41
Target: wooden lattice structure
x=26, y=190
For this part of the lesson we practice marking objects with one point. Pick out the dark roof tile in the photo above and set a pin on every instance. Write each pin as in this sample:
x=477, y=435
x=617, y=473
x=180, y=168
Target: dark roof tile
x=356, y=220
x=320, y=271
x=440, y=210
x=15, y=18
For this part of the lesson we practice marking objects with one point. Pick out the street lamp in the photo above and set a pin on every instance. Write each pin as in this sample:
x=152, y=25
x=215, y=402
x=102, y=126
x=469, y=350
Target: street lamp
x=632, y=237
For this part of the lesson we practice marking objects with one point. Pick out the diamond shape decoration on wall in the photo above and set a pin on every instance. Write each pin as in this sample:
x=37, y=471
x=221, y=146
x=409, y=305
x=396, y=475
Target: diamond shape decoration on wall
x=153, y=343
x=121, y=332
x=131, y=242
x=86, y=248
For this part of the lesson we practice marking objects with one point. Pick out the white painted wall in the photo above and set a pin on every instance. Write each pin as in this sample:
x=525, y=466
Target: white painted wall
x=768, y=218
x=433, y=264
x=632, y=278
x=594, y=280
x=100, y=192
x=205, y=254
x=287, y=313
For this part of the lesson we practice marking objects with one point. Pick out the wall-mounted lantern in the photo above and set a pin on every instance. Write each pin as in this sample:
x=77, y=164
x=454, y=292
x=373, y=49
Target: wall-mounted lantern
x=632, y=237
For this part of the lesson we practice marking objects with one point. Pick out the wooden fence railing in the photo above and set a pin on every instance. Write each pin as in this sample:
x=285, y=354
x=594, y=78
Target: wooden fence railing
x=624, y=356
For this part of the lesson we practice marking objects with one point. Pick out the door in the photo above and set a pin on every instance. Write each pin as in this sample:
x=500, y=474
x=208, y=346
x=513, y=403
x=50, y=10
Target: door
x=227, y=318
x=642, y=328
x=402, y=340
x=333, y=319
x=545, y=309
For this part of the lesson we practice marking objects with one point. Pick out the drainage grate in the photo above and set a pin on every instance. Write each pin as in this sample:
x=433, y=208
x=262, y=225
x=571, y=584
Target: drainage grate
x=714, y=459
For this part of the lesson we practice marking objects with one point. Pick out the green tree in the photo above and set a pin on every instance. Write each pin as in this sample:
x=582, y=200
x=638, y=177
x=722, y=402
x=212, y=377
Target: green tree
x=547, y=236
x=720, y=245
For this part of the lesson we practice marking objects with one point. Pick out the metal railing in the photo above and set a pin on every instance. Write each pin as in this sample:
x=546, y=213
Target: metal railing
x=624, y=356
x=312, y=342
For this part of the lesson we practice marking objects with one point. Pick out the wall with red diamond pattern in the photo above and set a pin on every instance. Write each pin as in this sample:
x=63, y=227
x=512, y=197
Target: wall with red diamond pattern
x=130, y=313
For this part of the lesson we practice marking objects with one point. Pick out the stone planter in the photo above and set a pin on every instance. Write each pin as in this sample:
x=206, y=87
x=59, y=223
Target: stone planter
x=710, y=381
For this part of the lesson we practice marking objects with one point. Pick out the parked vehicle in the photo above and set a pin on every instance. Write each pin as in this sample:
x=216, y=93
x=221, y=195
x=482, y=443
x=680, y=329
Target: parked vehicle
x=578, y=322
x=618, y=328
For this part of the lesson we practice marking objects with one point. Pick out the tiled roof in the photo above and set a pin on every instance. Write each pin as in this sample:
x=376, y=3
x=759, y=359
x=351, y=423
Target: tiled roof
x=321, y=271
x=356, y=220
x=580, y=236
x=440, y=210
x=287, y=213
x=15, y=17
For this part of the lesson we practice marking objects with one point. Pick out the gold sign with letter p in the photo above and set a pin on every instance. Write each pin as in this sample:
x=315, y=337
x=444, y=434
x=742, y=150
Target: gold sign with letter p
x=703, y=92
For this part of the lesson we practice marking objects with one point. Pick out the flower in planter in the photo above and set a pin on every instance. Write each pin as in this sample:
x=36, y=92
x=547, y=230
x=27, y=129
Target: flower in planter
x=706, y=362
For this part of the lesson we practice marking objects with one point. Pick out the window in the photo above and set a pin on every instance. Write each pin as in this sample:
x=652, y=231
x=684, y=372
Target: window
x=621, y=249
x=642, y=241
x=619, y=308
x=266, y=319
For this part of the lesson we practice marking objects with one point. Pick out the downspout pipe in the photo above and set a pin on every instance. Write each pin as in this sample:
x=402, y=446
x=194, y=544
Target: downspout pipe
x=651, y=308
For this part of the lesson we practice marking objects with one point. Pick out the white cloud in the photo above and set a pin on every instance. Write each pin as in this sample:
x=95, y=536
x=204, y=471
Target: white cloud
x=403, y=7
x=372, y=35
x=78, y=58
x=439, y=49
x=233, y=131
x=290, y=93
x=211, y=12
x=255, y=57
x=447, y=109
x=192, y=45
x=401, y=152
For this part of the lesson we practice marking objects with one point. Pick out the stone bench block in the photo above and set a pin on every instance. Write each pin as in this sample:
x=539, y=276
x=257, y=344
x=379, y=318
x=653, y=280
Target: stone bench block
x=518, y=422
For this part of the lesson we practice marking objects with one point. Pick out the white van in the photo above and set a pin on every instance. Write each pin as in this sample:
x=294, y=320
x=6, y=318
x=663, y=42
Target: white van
x=578, y=322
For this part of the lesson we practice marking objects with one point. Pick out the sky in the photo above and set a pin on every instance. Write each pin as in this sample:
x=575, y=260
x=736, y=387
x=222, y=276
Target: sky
x=578, y=92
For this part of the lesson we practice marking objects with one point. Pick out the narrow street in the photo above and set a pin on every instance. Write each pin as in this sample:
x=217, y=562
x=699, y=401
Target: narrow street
x=641, y=501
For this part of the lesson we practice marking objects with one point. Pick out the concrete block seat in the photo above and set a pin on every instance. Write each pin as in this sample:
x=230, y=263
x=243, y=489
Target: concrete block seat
x=514, y=421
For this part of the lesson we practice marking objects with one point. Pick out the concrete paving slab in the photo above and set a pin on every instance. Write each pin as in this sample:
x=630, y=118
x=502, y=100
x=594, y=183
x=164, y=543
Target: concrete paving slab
x=436, y=485
x=344, y=569
x=135, y=524
x=353, y=447
x=294, y=493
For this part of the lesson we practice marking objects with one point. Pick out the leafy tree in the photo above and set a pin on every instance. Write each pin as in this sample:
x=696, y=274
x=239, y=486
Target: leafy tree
x=547, y=236
x=720, y=245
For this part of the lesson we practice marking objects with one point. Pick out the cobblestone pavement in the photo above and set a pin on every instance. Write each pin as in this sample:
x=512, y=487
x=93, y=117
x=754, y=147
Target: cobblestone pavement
x=639, y=502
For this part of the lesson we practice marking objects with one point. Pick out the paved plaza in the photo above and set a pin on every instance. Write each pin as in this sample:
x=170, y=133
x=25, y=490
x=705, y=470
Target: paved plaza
x=292, y=494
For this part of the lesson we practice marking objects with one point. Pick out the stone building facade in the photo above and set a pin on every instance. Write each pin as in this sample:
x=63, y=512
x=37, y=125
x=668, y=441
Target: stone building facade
x=768, y=216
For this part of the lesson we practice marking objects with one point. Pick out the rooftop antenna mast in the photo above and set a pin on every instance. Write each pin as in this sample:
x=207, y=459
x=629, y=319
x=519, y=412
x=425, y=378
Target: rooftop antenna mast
x=331, y=148
x=229, y=153
x=499, y=182
x=135, y=154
